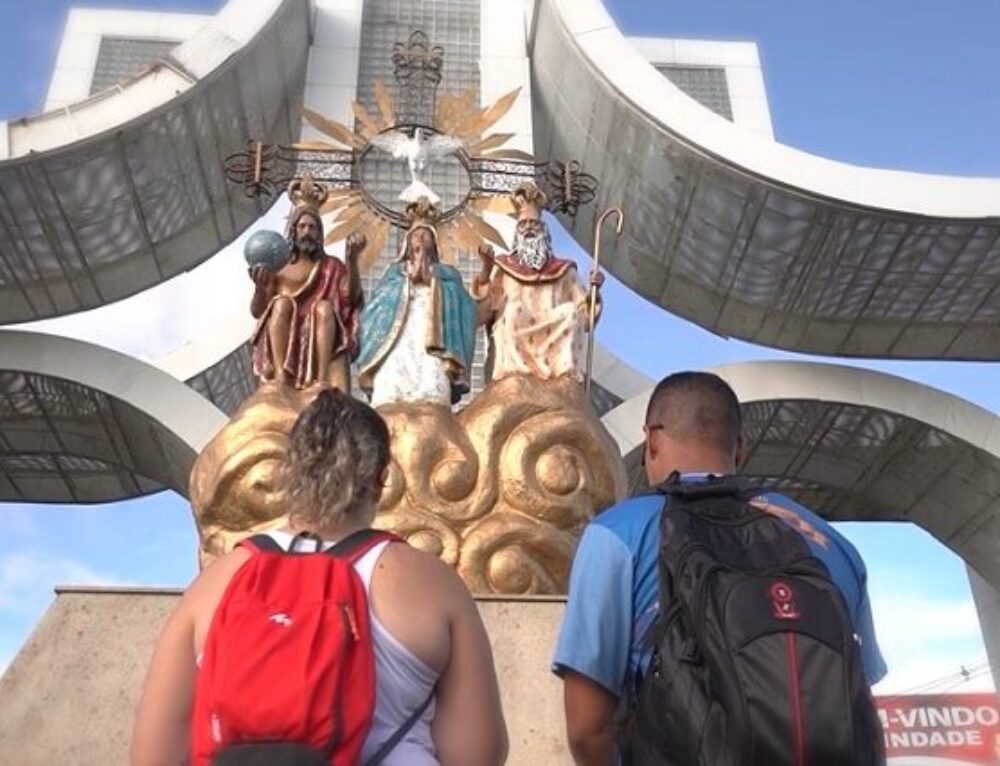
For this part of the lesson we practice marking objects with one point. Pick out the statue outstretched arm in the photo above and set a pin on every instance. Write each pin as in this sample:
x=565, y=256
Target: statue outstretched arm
x=481, y=287
x=353, y=249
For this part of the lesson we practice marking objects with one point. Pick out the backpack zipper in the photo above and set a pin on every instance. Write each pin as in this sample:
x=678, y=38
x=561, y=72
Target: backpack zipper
x=350, y=623
x=350, y=632
x=795, y=698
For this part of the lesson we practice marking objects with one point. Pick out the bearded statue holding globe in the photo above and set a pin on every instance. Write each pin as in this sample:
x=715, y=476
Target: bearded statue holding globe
x=307, y=304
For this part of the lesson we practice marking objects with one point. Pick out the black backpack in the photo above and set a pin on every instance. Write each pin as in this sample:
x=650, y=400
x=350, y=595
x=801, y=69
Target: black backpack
x=755, y=660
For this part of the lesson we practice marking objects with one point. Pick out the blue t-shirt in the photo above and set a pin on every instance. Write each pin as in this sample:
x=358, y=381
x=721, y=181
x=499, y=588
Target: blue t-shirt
x=614, y=589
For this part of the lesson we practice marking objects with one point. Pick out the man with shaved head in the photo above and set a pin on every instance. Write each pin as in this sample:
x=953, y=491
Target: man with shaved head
x=692, y=434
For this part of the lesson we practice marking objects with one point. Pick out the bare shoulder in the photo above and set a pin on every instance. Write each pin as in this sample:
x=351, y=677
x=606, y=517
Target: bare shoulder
x=214, y=578
x=425, y=571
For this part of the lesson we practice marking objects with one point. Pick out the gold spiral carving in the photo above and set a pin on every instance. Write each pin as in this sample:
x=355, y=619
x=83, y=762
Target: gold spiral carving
x=500, y=491
x=514, y=476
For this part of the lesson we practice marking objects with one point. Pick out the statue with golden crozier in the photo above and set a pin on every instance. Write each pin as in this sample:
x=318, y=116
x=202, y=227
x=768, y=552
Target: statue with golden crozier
x=418, y=330
x=306, y=304
x=534, y=307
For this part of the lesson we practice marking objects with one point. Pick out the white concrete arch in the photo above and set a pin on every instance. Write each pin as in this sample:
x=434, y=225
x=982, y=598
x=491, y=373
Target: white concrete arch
x=102, y=199
x=80, y=423
x=754, y=239
x=855, y=444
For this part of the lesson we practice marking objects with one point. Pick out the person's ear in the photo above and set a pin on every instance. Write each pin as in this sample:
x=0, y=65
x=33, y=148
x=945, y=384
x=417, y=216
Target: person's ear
x=740, y=453
x=649, y=448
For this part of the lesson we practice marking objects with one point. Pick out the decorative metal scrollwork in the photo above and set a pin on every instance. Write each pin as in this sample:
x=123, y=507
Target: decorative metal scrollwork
x=265, y=169
x=568, y=186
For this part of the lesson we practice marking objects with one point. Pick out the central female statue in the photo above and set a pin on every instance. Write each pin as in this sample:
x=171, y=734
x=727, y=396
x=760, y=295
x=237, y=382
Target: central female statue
x=418, y=329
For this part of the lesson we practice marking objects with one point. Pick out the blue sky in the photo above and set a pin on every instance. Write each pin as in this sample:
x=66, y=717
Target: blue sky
x=907, y=84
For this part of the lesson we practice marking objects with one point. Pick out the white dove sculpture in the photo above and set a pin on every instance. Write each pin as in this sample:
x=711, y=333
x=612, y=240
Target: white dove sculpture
x=419, y=151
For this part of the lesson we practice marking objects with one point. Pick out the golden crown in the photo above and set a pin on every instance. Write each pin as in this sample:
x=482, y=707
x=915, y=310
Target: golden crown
x=422, y=213
x=306, y=193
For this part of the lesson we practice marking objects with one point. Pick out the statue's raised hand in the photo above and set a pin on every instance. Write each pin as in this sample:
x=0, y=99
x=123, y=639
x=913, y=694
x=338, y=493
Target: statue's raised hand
x=486, y=255
x=355, y=245
x=262, y=278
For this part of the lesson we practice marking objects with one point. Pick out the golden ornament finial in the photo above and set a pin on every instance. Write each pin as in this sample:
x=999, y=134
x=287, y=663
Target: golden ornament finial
x=529, y=201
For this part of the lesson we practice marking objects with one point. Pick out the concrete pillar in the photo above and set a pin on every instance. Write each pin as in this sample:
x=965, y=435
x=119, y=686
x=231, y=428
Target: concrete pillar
x=987, y=600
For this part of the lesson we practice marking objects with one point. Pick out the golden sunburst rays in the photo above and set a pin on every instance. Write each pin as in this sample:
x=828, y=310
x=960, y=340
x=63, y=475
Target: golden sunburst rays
x=467, y=230
x=338, y=198
x=315, y=146
x=484, y=231
x=386, y=104
x=492, y=141
x=448, y=246
x=370, y=127
x=377, y=235
x=350, y=213
x=501, y=205
x=458, y=115
x=510, y=154
x=336, y=130
x=491, y=114
x=456, y=237
x=454, y=110
x=347, y=212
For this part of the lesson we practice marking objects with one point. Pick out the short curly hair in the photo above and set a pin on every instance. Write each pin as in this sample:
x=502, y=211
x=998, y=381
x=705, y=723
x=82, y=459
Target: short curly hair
x=336, y=454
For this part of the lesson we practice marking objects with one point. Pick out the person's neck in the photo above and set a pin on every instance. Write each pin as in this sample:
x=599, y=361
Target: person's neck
x=693, y=461
x=335, y=532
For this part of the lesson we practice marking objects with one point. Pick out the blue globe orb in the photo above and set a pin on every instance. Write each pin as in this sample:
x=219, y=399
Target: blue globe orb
x=266, y=248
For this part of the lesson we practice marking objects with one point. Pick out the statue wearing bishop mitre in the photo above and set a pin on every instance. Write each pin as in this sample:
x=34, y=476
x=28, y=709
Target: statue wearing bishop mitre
x=308, y=305
x=534, y=307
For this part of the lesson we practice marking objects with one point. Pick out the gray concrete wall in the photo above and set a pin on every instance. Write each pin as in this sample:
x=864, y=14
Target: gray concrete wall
x=69, y=695
x=987, y=600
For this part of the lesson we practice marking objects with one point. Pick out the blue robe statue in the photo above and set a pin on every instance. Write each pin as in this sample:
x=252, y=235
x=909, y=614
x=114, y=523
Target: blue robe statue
x=417, y=340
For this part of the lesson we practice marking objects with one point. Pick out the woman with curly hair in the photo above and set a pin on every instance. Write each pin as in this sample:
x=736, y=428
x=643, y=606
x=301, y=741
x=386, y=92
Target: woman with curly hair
x=433, y=667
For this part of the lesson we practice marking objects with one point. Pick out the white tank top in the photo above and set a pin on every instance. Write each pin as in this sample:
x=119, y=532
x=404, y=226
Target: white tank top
x=402, y=681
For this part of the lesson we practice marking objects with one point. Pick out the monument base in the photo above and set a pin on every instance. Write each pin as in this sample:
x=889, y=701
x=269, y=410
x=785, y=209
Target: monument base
x=70, y=693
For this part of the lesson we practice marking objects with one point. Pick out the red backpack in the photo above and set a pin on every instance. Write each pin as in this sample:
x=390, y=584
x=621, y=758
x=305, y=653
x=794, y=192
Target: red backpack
x=288, y=671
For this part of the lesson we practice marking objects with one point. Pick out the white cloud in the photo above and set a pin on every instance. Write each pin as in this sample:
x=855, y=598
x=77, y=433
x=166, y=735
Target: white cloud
x=27, y=579
x=925, y=639
x=158, y=320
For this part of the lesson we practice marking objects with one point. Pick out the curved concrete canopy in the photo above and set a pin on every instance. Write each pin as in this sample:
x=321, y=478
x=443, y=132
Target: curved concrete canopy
x=108, y=197
x=82, y=424
x=855, y=445
x=754, y=239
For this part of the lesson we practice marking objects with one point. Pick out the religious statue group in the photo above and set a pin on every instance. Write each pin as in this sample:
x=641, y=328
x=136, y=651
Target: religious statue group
x=413, y=338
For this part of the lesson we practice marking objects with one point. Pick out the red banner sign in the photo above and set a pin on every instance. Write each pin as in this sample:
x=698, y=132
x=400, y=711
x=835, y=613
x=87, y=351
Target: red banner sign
x=961, y=728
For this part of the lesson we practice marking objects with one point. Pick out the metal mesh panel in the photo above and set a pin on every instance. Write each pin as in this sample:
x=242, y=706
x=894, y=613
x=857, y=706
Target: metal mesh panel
x=603, y=400
x=705, y=84
x=119, y=58
x=454, y=25
x=63, y=442
x=227, y=382
x=97, y=221
x=754, y=259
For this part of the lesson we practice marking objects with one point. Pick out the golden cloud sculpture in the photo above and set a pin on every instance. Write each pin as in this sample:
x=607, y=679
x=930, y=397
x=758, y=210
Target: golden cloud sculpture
x=500, y=491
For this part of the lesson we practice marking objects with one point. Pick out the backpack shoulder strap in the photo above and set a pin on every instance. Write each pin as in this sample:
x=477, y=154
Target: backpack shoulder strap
x=356, y=545
x=261, y=544
x=404, y=728
x=711, y=487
